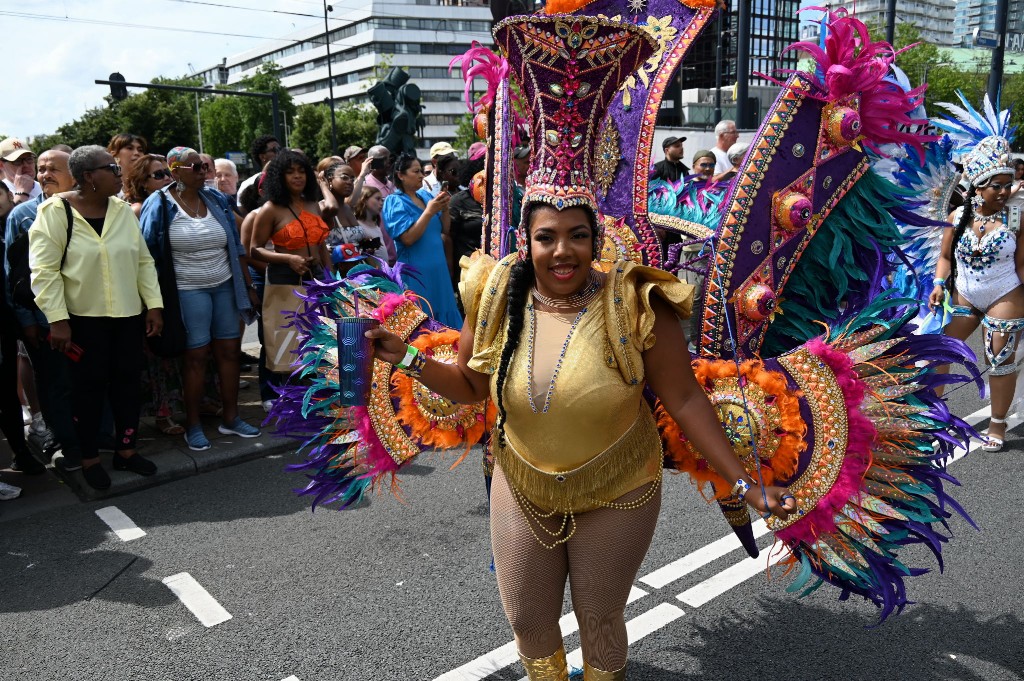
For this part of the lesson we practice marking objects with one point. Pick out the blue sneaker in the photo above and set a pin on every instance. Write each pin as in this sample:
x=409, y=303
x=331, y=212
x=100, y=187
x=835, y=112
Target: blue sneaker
x=240, y=428
x=196, y=439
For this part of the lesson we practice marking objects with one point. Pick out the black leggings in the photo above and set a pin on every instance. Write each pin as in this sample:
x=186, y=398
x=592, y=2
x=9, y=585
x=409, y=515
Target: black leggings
x=110, y=369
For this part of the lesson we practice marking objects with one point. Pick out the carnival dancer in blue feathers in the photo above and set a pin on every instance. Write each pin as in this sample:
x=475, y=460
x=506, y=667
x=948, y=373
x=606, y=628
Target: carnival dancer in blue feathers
x=981, y=260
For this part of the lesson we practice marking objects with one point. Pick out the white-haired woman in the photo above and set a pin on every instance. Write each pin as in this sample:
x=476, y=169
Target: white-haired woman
x=94, y=279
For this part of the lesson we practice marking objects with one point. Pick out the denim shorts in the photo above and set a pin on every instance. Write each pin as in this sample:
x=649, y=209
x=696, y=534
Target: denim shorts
x=210, y=312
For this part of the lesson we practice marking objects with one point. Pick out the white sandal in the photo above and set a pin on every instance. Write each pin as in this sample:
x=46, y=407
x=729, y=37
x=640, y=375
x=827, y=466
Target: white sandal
x=991, y=443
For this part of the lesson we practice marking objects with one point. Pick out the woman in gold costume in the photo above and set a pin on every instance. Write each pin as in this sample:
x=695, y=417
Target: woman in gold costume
x=565, y=351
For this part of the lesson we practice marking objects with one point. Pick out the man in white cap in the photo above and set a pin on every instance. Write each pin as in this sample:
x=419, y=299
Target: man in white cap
x=19, y=165
x=437, y=152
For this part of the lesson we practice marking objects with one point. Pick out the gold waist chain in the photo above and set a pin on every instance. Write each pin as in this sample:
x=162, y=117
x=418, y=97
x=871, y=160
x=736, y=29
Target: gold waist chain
x=530, y=512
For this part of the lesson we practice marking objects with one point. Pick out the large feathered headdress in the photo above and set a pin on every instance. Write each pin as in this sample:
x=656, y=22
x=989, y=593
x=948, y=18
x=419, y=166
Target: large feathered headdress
x=981, y=139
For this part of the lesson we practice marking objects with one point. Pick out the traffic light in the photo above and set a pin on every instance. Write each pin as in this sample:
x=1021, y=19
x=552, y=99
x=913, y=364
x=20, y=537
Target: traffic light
x=118, y=92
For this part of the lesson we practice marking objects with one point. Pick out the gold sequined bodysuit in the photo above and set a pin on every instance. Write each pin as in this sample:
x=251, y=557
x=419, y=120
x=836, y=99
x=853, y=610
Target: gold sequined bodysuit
x=598, y=439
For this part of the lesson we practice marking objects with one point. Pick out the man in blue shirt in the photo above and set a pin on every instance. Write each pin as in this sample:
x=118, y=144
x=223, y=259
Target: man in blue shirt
x=53, y=378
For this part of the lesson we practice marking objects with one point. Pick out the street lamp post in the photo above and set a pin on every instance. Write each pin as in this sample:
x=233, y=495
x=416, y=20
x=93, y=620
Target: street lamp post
x=742, y=64
x=718, y=67
x=995, y=76
x=890, y=22
x=330, y=79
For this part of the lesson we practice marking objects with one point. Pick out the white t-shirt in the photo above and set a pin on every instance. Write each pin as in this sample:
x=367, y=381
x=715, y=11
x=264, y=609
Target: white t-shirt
x=722, y=164
x=199, y=247
x=241, y=188
x=36, y=189
x=1018, y=198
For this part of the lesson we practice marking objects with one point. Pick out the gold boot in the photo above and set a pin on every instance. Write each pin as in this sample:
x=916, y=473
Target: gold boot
x=594, y=674
x=550, y=668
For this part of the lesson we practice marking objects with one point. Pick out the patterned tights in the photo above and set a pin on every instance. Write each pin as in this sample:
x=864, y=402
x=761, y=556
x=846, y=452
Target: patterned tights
x=600, y=560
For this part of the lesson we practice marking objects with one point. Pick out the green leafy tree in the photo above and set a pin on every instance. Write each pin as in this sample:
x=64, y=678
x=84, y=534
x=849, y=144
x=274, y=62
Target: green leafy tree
x=306, y=133
x=232, y=123
x=464, y=134
x=927, y=63
x=165, y=118
x=356, y=125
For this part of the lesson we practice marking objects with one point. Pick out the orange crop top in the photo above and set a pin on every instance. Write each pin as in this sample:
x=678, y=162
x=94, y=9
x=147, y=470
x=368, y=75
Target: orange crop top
x=305, y=230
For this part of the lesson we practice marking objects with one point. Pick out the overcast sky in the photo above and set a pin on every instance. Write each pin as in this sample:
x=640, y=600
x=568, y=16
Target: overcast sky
x=51, y=64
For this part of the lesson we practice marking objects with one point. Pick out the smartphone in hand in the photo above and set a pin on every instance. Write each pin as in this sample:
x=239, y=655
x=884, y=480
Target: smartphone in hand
x=72, y=351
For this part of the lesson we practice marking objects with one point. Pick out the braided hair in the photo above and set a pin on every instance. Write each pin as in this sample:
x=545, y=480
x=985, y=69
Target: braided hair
x=965, y=221
x=521, y=279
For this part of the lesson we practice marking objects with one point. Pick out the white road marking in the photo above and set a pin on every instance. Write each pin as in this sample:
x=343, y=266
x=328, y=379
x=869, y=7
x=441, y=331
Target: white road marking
x=499, y=658
x=694, y=561
x=734, y=575
x=197, y=599
x=291, y=678
x=122, y=525
x=696, y=596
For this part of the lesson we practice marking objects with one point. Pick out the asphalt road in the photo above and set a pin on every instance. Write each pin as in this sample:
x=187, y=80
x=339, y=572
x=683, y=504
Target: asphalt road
x=402, y=591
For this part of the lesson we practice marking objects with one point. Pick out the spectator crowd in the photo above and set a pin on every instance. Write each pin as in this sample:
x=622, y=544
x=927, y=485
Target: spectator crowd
x=130, y=276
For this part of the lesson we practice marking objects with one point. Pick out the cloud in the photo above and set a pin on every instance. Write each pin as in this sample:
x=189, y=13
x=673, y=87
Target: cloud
x=57, y=61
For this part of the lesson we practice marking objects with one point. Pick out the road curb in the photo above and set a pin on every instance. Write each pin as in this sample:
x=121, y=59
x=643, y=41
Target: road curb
x=176, y=464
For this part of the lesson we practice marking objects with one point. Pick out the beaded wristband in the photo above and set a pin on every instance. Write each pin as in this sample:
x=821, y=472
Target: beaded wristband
x=410, y=354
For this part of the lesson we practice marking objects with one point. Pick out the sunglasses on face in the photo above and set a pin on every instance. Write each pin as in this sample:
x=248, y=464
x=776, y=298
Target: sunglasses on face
x=197, y=167
x=1000, y=187
x=112, y=167
x=162, y=174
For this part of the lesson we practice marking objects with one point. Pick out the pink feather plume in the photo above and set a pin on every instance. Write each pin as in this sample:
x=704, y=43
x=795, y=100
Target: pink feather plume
x=851, y=63
x=482, y=62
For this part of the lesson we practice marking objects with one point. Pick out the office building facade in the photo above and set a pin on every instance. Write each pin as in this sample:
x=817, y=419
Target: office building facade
x=981, y=14
x=933, y=18
x=774, y=24
x=421, y=36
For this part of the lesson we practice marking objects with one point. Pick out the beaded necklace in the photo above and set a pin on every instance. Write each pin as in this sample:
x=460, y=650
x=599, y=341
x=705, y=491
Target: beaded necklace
x=581, y=298
x=558, y=364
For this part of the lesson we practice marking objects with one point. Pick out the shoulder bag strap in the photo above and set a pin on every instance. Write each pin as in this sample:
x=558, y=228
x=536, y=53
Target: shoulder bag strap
x=71, y=221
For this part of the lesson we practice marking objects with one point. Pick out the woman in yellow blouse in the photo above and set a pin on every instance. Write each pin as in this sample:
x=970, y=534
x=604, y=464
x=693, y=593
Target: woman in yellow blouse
x=99, y=292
